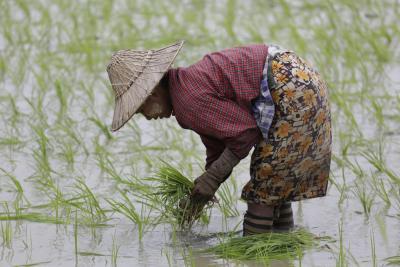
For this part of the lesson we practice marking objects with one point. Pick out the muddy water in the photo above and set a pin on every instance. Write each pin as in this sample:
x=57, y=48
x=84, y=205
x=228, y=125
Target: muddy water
x=206, y=27
x=41, y=243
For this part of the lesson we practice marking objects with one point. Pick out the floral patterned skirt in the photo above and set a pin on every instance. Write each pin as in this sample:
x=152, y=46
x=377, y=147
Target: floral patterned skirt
x=294, y=162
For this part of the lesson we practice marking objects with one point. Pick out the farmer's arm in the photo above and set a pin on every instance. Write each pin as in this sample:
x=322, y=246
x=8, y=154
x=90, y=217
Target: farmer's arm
x=242, y=145
x=214, y=149
x=232, y=139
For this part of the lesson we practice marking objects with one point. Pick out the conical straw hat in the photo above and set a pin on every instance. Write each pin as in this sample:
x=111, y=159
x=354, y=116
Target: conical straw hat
x=133, y=75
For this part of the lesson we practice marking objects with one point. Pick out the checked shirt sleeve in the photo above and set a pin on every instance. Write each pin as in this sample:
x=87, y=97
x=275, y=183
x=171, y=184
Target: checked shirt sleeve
x=214, y=149
x=225, y=121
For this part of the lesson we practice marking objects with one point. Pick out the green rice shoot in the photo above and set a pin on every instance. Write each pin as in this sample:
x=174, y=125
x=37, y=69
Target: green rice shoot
x=174, y=190
x=395, y=260
x=56, y=99
x=267, y=246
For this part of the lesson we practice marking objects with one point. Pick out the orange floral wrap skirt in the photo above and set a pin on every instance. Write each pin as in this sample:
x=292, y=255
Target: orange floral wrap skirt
x=293, y=164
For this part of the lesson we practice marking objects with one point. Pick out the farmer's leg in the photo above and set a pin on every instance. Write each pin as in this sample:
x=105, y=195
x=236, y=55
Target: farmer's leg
x=258, y=219
x=260, y=212
x=284, y=217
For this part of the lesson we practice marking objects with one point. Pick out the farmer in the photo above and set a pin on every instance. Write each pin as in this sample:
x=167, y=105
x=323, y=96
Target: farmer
x=235, y=99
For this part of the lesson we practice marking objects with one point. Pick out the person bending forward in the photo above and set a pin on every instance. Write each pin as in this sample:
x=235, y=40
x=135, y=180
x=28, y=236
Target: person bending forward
x=254, y=95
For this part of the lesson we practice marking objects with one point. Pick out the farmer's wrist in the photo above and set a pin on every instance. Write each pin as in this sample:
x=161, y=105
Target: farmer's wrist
x=205, y=187
x=223, y=166
x=208, y=183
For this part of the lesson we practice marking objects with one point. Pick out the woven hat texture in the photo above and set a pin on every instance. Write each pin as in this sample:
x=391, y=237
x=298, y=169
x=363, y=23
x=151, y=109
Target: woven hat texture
x=134, y=74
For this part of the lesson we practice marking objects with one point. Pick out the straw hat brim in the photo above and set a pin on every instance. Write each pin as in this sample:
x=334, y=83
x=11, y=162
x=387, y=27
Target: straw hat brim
x=128, y=102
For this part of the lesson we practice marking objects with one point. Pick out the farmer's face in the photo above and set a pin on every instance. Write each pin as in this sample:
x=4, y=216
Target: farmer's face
x=158, y=105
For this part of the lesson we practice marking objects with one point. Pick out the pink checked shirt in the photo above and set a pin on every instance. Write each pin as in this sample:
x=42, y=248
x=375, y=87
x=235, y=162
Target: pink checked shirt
x=213, y=97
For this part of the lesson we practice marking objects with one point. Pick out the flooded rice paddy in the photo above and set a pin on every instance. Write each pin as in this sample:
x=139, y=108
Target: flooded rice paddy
x=61, y=167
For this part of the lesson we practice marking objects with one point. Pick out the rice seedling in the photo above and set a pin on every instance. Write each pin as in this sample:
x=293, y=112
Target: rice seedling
x=104, y=160
x=76, y=237
x=187, y=255
x=377, y=110
x=142, y=191
x=380, y=189
x=394, y=260
x=377, y=161
x=114, y=252
x=373, y=250
x=89, y=207
x=341, y=187
x=51, y=63
x=31, y=217
x=6, y=234
x=366, y=198
x=18, y=203
x=343, y=104
x=167, y=254
x=381, y=222
x=341, y=261
x=68, y=154
x=46, y=184
x=128, y=209
x=15, y=113
x=68, y=127
x=230, y=18
x=62, y=98
x=105, y=163
x=355, y=167
x=10, y=141
x=104, y=128
x=268, y=246
x=6, y=229
x=396, y=199
x=174, y=190
x=226, y=201
x=14, y=180
x=2, y=66
x=41, y=155
x=88, y=90
x=90, y=253
x=34, y=264
x=83, y=200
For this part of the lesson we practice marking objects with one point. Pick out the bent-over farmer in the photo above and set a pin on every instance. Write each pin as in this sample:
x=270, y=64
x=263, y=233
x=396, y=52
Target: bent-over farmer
x=235, y=99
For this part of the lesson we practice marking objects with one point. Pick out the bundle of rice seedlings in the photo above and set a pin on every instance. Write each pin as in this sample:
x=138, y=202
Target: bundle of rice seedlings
x=265, y=247
x=174, y=190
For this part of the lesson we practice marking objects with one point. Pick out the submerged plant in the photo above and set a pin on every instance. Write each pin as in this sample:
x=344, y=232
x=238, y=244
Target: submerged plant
x=14, y=180
x=6, y=233
x=380, y=189
x=89, y=207
x=76, y=236
x=341, y=261
x=267, y=246
x=394, y=260
x=114, y=252
x=226, y=201
x=54, y=117
x=376, y=160
x=366, y=198
x=6, y=229
x=128, y=209
x=32, y=217
x=373, y=250
x=41, y=155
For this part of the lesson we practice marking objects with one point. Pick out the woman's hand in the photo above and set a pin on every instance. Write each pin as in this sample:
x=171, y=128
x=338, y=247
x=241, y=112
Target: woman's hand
x=205, y=187
x=208, y=183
